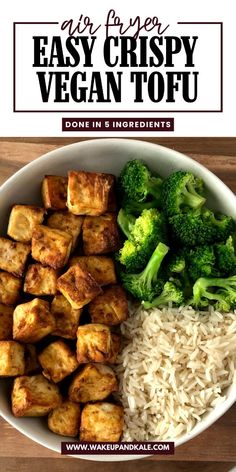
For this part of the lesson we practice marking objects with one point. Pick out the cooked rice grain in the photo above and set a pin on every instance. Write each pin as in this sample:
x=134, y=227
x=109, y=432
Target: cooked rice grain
x=174, y=367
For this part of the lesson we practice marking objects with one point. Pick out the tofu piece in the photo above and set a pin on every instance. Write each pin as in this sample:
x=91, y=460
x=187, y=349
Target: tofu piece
x=31, y=359
x=93, y=383
x=65, y=419
x=101, y=421
x=115, y=348
x=66, y=317
x=66, y=221
x=112, y=201
x=110, y=307
x=94, y=343
x=40, y=280
x=22, y=221
x=54, y=192
x=102, y=268
x=12, y=360
x=32, y=321
x=51, y=247
x=13, y=256
x=34, y=396
x=57, y=361
x=88, y=192
x=78, y=286
x=6, y=322
x=9, y=288
x=100, y=234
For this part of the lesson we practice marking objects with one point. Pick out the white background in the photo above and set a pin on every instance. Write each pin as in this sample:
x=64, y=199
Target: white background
x=168, y=12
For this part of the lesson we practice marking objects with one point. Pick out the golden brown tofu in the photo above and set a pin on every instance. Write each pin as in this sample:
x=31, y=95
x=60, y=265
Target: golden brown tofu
x=94, y=343
x=67, y=222
x=34, y=396
x=23, y=219
x=112, y=203
x=57, y=361
x=12, y=360
x=32, y=321
x=101, y=421
x=78, y=286
x=66, y=317
x=115, y=348
x=9, y=288
x=51, y=247
x=88, y=192
x=31, y=359
x=65, y=419
x=13, y=256
x=102, y=268
x=100, y=234
x=6, y=322
x=40, y=280
x=54, y=192
x=110, y=307
x=94, y=382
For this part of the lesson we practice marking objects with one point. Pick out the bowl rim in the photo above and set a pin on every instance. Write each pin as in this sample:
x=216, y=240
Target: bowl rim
x=57, y=152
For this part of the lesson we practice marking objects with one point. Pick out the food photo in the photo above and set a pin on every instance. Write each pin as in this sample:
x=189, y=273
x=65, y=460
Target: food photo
x=117, y=296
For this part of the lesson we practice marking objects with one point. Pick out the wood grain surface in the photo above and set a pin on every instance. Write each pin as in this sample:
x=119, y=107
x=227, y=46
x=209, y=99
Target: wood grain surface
x=218, y=443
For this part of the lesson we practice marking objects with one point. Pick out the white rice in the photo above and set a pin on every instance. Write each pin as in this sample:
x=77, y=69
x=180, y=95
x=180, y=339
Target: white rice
x=174, y=367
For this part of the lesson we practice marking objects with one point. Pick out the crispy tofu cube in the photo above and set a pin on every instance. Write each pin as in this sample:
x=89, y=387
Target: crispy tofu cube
x=34, y=396
x=112, y=202
x=9, y=288
x=101, y=421
x=66, y=317
x=32, y=321
x=115, y=348
x=78, y=286
x=22, y=221
x=94, y=343
x=67, y=222
x=102, y=268
x=6, y=322
x=40, y=280
x=31, y=359
x=100, y=234
x=93, y=383
x=13, y=256
x=57, y=361
x=65, y=419
x=51, y=247
x=110, y=307
x=54, y=192
x=88, y=192
x=12, y=360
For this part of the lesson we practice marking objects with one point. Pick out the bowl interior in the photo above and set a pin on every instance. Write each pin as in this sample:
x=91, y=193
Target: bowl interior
x=104, y=155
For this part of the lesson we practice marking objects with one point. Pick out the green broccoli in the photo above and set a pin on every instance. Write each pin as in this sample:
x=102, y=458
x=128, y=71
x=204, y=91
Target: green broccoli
x=136, y=182
x=170, y=294
x=126, y=222
x=200, y=227
x=147, y=284
x=176, y=263
x=226, y=257
x=136, y=208
x=180, y=192
x=149, y=229
x=220, y=291
x=201, y=262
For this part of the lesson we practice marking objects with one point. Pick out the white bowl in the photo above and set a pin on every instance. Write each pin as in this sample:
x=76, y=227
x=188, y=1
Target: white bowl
x=106, y=155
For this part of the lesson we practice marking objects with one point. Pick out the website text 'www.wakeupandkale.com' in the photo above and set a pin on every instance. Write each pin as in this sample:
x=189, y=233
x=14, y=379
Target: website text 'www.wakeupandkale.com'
x=86, y=448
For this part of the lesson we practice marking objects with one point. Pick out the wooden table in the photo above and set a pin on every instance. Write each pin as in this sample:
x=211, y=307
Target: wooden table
x=218, y=443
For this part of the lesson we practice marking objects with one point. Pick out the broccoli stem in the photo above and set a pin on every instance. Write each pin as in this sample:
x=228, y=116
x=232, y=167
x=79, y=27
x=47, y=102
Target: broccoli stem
x=151, y=270
x=191, y=198
x=154, y=187
x=126, y=222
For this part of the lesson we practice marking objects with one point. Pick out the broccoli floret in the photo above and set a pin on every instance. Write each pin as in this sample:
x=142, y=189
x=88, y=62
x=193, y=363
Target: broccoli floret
x=136, y=182
x=197, y=227
x=149, y=229
x=180, y=192
x=220, y=291
x=201, y=262
x=136, y=208
x=147, y=284
x=177, y=263
x=170, y=294
x=226, y=257
x=126, y=222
